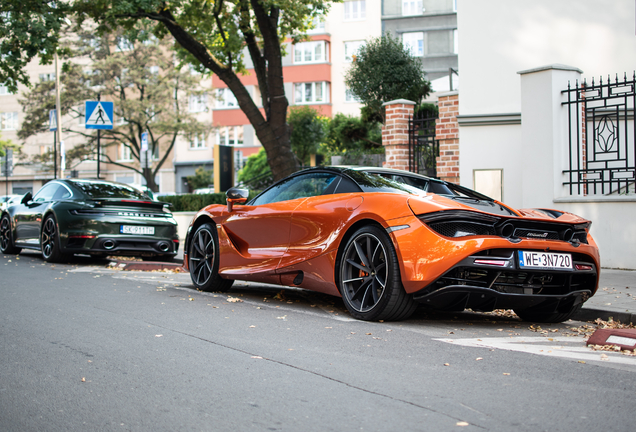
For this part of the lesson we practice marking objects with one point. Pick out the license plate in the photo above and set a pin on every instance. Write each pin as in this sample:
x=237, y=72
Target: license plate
x=545, y=260
x=140, y=230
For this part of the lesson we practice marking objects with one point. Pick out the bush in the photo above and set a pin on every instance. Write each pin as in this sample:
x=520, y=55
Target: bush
x=195, y=202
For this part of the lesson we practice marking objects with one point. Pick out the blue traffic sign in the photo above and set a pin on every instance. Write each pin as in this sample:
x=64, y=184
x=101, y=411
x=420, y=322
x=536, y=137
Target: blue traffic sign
x=99, y=115
x=52, y=121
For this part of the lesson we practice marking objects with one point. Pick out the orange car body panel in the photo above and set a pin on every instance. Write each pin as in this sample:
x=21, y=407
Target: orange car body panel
x=274, y=242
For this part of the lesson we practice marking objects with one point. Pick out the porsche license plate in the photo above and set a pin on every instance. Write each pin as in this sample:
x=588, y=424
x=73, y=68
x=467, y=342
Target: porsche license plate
x=545, y=260
x=138, y=230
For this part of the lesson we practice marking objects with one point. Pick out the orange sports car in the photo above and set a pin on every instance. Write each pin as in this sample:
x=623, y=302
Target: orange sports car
x=387, y=240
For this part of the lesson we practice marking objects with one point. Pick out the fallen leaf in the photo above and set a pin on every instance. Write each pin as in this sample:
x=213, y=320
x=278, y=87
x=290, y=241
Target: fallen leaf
x=446, y=364
x=158, y=335
x=252, y=326
x=582, y=361
x=479, y=358
x=506, y=373
x=462, y=423
x=83, y=379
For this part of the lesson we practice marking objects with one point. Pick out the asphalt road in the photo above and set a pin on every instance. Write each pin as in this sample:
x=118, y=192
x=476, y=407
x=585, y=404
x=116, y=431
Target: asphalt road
x=88, y=348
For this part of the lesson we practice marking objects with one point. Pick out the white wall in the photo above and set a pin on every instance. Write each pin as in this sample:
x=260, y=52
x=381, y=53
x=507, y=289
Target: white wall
x=498, y=38
x=342, y=31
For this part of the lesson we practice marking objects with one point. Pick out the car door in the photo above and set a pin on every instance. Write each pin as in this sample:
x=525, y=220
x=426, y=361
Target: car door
x=29, y=216
x=260, y=231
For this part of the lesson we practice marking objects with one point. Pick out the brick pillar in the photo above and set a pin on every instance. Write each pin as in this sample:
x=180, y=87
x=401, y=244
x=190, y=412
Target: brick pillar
x=395, y=133
x=447, y=133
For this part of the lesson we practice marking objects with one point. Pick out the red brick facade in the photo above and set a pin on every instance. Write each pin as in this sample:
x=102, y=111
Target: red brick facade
x=395, y=133
x=447, y=133
x=395, y=136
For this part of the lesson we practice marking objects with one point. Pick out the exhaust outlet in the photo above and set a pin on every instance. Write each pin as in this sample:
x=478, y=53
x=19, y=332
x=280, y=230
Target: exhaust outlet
x=164, y=247
x=108, y=244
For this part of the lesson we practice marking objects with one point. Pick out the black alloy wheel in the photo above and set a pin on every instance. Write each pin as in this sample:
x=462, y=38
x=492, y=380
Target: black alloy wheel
x=6, y=237
x=369, y=277
x=203, y=260
x=50, y=241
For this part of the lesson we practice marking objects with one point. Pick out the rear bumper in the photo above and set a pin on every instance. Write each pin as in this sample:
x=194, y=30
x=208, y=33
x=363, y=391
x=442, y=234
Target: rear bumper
x=459, y=297
x=123, y=245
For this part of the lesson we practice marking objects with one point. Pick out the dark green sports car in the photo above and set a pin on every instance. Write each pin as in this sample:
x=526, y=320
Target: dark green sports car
x=95, y=217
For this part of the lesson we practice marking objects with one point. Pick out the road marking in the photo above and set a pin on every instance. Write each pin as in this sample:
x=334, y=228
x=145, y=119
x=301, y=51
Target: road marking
x=564, y=347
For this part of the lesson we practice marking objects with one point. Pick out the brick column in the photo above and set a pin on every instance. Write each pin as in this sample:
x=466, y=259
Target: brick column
x=447, y=133
x=395, y=133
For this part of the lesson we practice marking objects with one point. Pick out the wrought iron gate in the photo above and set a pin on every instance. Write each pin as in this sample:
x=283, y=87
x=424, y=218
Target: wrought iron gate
x=602, y=131
x=423, y=147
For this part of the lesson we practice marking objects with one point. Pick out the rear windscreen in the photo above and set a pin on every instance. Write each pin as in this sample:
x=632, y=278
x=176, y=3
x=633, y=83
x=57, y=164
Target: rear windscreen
x=97, y=190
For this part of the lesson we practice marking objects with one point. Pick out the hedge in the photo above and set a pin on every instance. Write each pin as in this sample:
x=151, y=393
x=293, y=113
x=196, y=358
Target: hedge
x=195, y=202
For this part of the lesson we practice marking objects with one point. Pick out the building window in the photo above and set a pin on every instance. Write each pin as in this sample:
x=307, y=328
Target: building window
x=9, y=120
x=225, y=98
x=430, y=43
x=125, y=154
x=198, y=103
x=47, y=77
x=352, y=48
x=350, y=97
x=414, y=42
x=412, y=7
x=318, y=25
x=310, y=52
x=4, y=90
x=230, y=136
x=197, y=141
x=436, y=6
x=313, y=92
x=355, y=10
x=124, y=44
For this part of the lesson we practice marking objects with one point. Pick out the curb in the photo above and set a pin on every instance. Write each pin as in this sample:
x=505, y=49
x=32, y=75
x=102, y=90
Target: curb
x=591, y=314
x=148, y=266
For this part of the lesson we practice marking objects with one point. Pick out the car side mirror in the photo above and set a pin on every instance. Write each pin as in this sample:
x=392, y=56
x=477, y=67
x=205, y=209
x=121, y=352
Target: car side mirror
x=26, y=198
x=236, y=196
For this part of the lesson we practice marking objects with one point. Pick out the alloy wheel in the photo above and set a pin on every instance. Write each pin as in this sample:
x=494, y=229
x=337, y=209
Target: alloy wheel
x=202, y=256
x=364, y=272
x=49, y=233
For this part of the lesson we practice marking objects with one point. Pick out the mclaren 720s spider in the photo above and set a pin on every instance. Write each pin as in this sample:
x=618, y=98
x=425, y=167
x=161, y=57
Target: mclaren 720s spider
x=386, y=240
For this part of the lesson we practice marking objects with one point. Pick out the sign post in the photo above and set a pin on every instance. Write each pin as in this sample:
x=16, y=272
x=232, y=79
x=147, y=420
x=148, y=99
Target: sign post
x=53, y=128
x=7, y=167
x=99, y=115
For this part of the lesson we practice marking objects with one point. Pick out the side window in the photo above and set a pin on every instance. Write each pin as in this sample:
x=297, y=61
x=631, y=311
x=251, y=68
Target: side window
x=301, y=186
x=416, y=182
x=62, y=193
x=46, y=193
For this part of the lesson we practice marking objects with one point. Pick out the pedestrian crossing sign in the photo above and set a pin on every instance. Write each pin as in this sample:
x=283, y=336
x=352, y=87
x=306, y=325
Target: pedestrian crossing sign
x=99, y=115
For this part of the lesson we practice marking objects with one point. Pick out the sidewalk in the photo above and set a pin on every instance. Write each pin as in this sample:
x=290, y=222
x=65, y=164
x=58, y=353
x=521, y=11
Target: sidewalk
x=615, y=298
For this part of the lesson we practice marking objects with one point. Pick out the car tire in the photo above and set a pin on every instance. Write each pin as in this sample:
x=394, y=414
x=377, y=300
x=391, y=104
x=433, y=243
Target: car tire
x=538, y=316
x=6, y=237
x=203, y=260
x=50, y=241
x=377, y=294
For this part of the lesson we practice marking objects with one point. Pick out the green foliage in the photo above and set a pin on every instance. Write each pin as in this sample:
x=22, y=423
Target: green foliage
x=145, y=100
x=384, y=70
x=193, y=202
x=256, y=167
x=6, y=144
x=308, y=132
x=28, y=29
x=202, y=178
x=353, y=134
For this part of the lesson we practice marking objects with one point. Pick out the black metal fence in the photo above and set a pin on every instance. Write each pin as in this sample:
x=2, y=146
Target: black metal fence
x=423, y=147
x=602, y=145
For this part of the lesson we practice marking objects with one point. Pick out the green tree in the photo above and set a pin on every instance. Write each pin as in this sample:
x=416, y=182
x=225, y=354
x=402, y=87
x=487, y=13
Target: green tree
x=202, y=178
x=5, y=144
x=308, y=132
x=384, y=70
x=149, y=93
x=256, y=172
x=216, y=36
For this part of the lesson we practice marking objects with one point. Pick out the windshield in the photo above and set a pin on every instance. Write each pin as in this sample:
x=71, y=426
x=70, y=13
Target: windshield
x=376, y=183
x=97, y=190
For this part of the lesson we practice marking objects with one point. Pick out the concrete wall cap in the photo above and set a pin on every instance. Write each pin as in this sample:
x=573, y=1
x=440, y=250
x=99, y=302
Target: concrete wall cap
x=399, y=101
x=555, y=66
